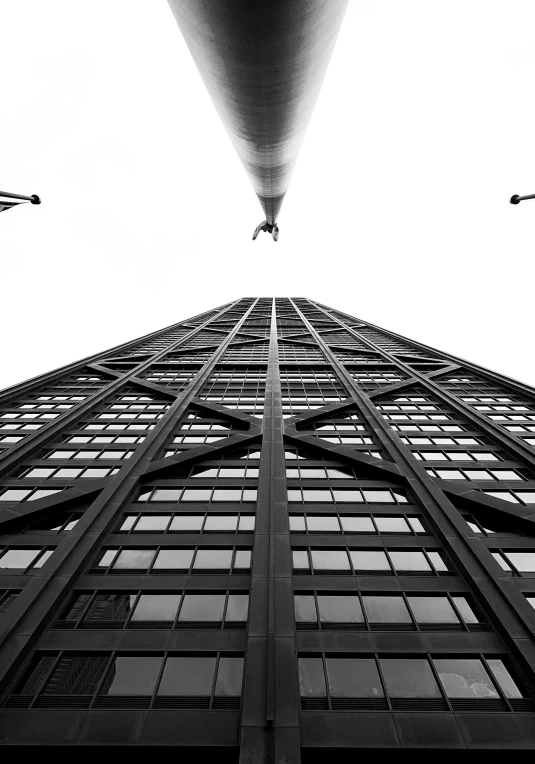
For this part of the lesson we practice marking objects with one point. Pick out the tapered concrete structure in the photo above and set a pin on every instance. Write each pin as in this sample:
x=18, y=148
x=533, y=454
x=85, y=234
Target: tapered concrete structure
x=263, y=64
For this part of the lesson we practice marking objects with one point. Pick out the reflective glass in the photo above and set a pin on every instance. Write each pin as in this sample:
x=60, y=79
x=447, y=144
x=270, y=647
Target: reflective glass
x=504, y=678
x=368, y=560
x=432, y=610
x=311, y=677
x=386, y=609
x=326, y=524
x=76, y=675
x=354, y=678
x=323, y=559
x=391, y=524
x=18, y=558
x=229, y=677
x=305, y=608
x=185, y=523
x=465, y=610
x=221, y=523
x=523, y=561
x=135, y=675
x=362, y=524
x=202, y=607
x=209, y=559
x=339, y=609
x=156, y=607
x=190, y=676
x=173, y=559
x=237, y=607
x=409, y=561
x=465, y=678
x=409, y=678
x=134, y=559
x=152, y=522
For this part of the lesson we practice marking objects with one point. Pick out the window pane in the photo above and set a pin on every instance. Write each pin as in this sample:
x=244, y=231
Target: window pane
x=386, y=609
x=297, y=523
x=138, y=559
x=504, y=678
x=196, y=494
x=166, y=494
x=438, y=562
x=409, y=678
x=300, y=560
x=409, y=561
x=311, y=677
x=221, y=523
x=202, y=607
x=316, y=495
x=465, y=678
x=329, y=560
x=379, y=497
x=173, y=559
x=340, y=609
x=316, y=523
x=186, y=523
x=76, y=675
x=247, y=523
x=392, y=524
x=229, y=677
x=237, y=607
x=213, y=558
x=465, y=610
x=355, y=497
x=187, y=676
x=432, y=610
x=416, y=525
x=152, y=522
x=305, y=608
x=156, y=607
x=134, y=675
x=242, y=560
x=227, y=494
x=523, y=561
x=369, y=560
x=110, y=607
x=357, y=524
x=354, y=678
x=18, y=558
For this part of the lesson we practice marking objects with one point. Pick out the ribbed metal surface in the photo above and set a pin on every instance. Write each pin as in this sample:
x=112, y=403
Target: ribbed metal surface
x=263, y=64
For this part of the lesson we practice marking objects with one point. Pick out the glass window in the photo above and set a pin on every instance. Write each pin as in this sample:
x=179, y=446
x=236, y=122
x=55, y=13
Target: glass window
x=229, y=677
x=362, y=524
x=109, y=607
x=378, y=497
x=202, y=607
x=432, y=610
x=133, y=559
x=316, y=523
x=300, y=559
x=152, y=523
x=339, y=609
x=317, y=495
x=173, y=559
x=305, y=608
x=311, y=677
x=156, y=607
x=18, y=558
x=329, y=559
x=523, y=561
x=392, y=524
x=237, y=608
x=367, y=560
x=465, y=678
x=165, y=494
x=465, y=610
x=186, y=523
x=196, y=494
x=221, y=523
x=211, y=559
x=76, y=675
x=133, y=675
x=386, y=609
x=190, y=676
x=409, y=678
x=354, y=678
x=504, y=678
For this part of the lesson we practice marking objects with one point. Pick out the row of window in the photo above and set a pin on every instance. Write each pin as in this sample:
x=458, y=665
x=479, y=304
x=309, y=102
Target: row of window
x=346, y=495
x=107, y=439
x=178, y=523
x=355, y=524
x=366, y=561
x=95, y=454
x=177, y=609
x=101, y=676
x=67, y=473
x=187, y=559
x=321, y=610
x=375, y=677
x=479, y=474
x=455, y=456
x=198, y=494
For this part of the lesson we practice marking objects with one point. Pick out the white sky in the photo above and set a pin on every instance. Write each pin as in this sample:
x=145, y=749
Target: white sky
x=397, y=212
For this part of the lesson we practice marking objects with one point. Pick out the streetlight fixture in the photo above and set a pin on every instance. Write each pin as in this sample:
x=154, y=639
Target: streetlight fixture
x=7, y=200
x=516, y=199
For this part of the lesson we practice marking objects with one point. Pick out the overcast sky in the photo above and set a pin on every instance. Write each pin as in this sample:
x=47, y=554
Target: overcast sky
x=397, y=212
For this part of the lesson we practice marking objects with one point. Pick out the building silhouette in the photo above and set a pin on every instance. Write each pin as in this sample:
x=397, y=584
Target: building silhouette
x=274, y=532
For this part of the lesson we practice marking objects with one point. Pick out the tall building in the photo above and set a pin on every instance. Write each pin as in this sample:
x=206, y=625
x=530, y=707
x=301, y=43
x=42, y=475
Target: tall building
x=274, y=531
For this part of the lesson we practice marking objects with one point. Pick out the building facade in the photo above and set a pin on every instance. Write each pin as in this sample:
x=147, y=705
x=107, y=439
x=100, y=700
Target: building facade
x=272, y=532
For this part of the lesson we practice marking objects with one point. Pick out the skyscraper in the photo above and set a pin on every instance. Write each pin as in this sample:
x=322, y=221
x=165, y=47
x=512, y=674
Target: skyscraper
x=274, y=531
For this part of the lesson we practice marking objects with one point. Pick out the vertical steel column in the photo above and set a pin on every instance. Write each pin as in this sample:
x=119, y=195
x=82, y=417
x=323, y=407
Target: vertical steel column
x=270, y=722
